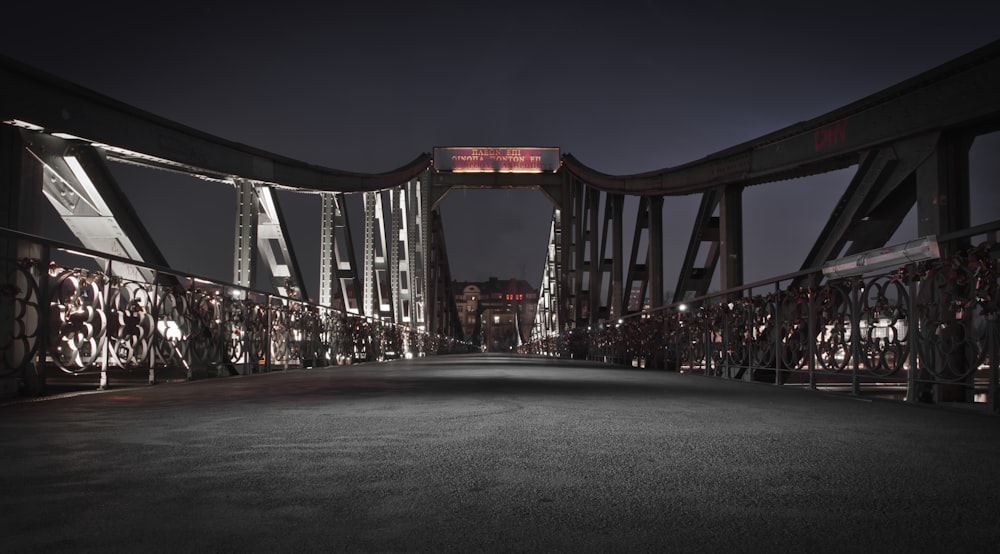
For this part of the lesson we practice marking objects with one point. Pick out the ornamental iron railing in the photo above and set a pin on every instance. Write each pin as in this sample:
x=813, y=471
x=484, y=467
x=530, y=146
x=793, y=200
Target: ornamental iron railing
x=925, y=332
x=63, y=324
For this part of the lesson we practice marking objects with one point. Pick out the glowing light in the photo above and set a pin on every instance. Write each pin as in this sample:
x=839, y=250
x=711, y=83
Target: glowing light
x=682, y=307
x=24, y=125
x=496, y=159
x=170, y=330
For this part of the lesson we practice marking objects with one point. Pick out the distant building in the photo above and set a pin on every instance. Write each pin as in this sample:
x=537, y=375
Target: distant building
x=496, y=314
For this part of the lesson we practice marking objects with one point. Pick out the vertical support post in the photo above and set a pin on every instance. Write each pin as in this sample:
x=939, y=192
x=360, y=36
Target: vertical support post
x=731, y=231
x=777, y=334
x=392, y=253
x=20, y=198
x=578, y=217
x=414, y=251
x=106, y=306
x=636, y=271
x=378, y=301
x=943, y=206
x=912, y=337
x=993, y=346
x=267, y=336
x=245, y=245
x=615, y=204
x=594, y=276
x=564, y=239
x=370, y=198
x=154, y=312
x=654, y=263
x=812, y=327
x=855, y=335
x=708, y=351
x=327, y=250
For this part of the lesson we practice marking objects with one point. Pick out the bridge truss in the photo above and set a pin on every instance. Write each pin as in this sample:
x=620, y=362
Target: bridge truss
x=909, y=143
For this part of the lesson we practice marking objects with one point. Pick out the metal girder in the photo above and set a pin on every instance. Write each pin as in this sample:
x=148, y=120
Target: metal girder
x=418, y=197
x=397, y=253
x=943, y=188
x=444, y=316
x=580, y=235
x=958, y=94
x=55, y=105
x=961, y=93
x=648, y=275
x=245, y=244
x=943, y=206
x=338, y=266
x=261, y=229
x=79, y=185
x=21, y=194
x=547, y=314
x=610, y=270
x=377, y=296
x=694, y=281
x=406, y=269
x=875, y=203
x=731, y=237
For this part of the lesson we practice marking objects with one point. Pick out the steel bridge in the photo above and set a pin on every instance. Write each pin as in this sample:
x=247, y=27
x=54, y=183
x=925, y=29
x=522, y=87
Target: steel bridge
x=915, y=320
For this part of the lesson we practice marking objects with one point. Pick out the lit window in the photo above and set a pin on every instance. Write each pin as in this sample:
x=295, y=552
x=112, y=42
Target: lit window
x=496, y=320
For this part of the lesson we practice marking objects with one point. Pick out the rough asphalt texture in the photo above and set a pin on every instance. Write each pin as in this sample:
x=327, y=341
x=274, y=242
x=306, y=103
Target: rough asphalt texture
x=465, y=454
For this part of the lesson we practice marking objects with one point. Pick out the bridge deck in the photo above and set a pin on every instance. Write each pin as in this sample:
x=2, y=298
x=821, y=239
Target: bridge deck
x=479, y=453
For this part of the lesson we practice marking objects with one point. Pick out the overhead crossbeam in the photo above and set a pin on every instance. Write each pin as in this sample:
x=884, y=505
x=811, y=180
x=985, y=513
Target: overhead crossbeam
x=959, y=94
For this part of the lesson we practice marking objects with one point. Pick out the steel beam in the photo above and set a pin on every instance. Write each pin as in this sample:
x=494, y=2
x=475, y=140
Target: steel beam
x=592, y=264
x=245, y=243
x=611, y=268
x=943, y=189
x=942, y=183
x=275, y=246
x=444, y=319
x=578, y=223
x=419, y=202
x=959, y=94
x=56, y=105
x=694, y=281
x=338, y=265
x=79, y=185
x=546, y=315
x=399, y=256
x=638, y=273
x=654, y=263
x=377, y=299
x=875, y=203
x=731, y=231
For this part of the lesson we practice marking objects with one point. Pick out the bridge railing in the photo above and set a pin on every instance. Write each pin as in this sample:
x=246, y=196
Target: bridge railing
x=923, y=332
x=64, y=325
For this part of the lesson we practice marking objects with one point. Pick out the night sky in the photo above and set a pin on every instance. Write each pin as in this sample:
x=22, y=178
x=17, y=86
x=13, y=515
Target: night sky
x=625, y=86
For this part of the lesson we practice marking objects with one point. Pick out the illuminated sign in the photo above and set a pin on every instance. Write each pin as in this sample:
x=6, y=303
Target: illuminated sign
x=496, y=160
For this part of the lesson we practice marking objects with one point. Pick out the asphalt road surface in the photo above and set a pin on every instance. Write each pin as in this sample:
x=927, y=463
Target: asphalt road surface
x=469, y=454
